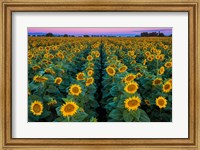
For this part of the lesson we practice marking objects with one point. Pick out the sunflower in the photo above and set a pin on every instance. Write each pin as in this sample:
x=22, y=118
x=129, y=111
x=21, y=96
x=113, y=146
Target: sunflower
x=39, y=78
x=80, y=76
x=110, y=70
x=52, y=102
x=36, y=108
x=157, y=57
x=138, y=75
x=89, y=81
x=129, y=78
x=157, y=81
x=168, y=64
x=161, y=70
x=147, y=53
x=90, y=72
x=97, y=54
x=69, y=109
x=58, y=80
x=131, y=87
x=144, y=62
x=161, y=102
x=149, y=58
x=36, y=67
x=147, y=102
x=75, y=89
x=89, y=58
x=48, y=70
x=132, y=103
x=123, y=68
x=167, y=87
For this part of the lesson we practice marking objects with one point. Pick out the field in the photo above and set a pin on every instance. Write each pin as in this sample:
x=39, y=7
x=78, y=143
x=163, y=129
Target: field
x=94, y=79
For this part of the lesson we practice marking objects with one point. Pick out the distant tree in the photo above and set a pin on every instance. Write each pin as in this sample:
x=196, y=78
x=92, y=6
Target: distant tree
x=161, y=34
x=49, y=35
x=66, y=35
x=153, y=34
x=137, y=36
x=86, y=36
x=33, y=35
x=170, y=35
x=144, y=34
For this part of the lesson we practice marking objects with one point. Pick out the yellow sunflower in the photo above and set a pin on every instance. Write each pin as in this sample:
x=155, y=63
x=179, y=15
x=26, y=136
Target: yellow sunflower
x=39, y=78
x=147, y=102
x=167, y=87
x=89, y=81
x=161, y=102
x=157, y=81
x=131, y=87
x=90, y=72
x=36, y=67
x=58, y=80
x=168, y=64
x=36, y=108
x=129, y=78
x=80, y=76
x=75, y=89
x=123, y=68
x=69, y=109
x=138, y=75
x=161, y=70
x=89, y=58
x=110, y=70
x=132, y=103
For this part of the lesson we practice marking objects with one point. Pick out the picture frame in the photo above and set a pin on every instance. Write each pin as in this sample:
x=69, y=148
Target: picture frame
x=8, y=7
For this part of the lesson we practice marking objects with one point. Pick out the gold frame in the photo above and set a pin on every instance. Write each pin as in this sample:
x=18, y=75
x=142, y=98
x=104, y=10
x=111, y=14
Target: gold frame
x=9, y=6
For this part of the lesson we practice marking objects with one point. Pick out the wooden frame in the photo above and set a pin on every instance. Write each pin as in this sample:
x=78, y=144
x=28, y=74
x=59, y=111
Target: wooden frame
x=9, y=6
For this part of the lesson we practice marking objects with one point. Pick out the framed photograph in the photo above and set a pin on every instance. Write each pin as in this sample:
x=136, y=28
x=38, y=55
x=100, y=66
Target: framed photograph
x=107, y=75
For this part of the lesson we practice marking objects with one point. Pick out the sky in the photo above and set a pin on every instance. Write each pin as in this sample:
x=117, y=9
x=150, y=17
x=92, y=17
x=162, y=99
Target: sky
x=98, y=31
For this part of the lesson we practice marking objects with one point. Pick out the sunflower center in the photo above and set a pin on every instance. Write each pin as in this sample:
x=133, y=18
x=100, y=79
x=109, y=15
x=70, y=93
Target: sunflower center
x=89, y=80
x=161, y=102
x=36, y=108
x=110, y=71
x=167, y=86
x=132, y=103
x=69, y=108
x=75, y=89
x=80, y=76
x=131, y=87
x=157, y=81
x=129, y=78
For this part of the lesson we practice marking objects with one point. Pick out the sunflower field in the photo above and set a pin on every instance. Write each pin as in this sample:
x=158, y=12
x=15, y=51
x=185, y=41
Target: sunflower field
x=99, y=79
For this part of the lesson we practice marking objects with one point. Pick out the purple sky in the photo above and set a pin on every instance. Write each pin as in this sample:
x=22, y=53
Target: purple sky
x=99, y=31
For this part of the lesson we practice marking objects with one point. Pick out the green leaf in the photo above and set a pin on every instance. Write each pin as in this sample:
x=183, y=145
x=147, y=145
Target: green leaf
x=128, y=117
x=52, y=89
x=143, y=116
x=80, y=116
x=115, y=114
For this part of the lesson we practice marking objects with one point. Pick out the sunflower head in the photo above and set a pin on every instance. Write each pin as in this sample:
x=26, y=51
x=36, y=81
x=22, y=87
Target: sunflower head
x=168, y=64
x=75, y=89
x=161, y=102
x=110, y=70
x=89, y=81
x=80, y=76
x=129, y=78
x=131, y=87
x=36, y=108
x=157, y=81
x=89, y=58
x=161, y=70
x=58, y=80
x=69, y=109
x=147, y=102
x=90, y=72
x=132, y=103
x=167, y=87
x=123, y=68
x=138, y=75
x=36, y=67
x=38, y=78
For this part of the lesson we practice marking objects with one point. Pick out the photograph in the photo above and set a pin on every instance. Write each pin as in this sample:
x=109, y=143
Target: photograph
x=99, y=74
